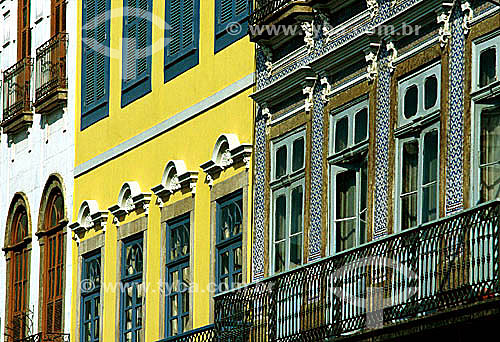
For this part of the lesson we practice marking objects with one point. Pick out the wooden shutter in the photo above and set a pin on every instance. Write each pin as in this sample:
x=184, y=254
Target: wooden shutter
x=23, y=29
x=181, y=20
x=57, y=16
x=101, y=65
x=241, y=9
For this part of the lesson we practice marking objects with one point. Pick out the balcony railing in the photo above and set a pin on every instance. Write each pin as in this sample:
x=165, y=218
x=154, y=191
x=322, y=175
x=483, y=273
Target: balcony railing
x=435, y=267
x=51, y=73
x=265, y=8
x=46, y=337
x=16, y=89
x=203, y=334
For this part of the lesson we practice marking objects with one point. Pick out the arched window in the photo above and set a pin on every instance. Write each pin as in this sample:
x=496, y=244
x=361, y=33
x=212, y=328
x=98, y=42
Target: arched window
x=53, y=264
x=18, y=259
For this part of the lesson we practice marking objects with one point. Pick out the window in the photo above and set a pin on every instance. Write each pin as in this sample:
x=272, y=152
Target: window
x=287, y=208
x=348, y=175
x=95, y=61
x=227, y=13
x=53, y=271
x=418, y=148
x=182, y=35
x=58, y=16
x=178, y=276
x=136, y=66
x=229, y=246
x=489, y=153
x=90, y=311
x=23, y=29
x=19, y=275
x=132, y=294
x=486, y=62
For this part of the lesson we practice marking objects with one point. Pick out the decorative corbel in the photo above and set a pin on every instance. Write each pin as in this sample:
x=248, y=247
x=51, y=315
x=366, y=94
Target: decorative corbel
x=268, y=53
x=209, y=180
x=116, y=221
x=443, y=19
x=308, y=28
x=246, y=160
x=372, y=7
x=326, y=27
x=393, y=54
x=468, y=16
x=371, y=68
x=309, y=92
x=326, y=91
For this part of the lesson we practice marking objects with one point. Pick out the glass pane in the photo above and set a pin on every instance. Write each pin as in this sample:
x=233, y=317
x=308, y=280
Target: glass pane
x=175, y=281
x=346, y=195
x=173, y=306
x=128, y=319
x=341, y=134
x=490, y=136
x=237, y=280
x=345, y=234
x=138, y=322
x=184, y=232
x=174, y=244
x=185, y=301
x=185, y=322
x=430, y=91
x=409, y=211
x=185, y=277
x=224, y=284
x=362, y=204
x=237, y=259
x=411, y=101
x=128, y=337
x=224, y=263
x=138, y=299
x=279, y=257
x=128, y=296
x=237, y=207
x=487, y=67
x=298, y=154
x=410, y=166
x=281, y=157
x=96, y=329
x=430, y=157
x=97, y=307
x=87, y=331
x=490, y=183
x=280, y=218
x=226, y=223
x=295, y=251
x=429, y=204
x=361, y=125
x=88, y=310
x=297, y=203
x=174, y=327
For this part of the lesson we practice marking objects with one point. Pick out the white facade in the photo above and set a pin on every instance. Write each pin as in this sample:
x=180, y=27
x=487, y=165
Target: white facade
x=30, y=156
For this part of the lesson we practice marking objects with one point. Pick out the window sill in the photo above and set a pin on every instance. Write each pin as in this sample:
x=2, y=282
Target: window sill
x=93, y=115
x=136, y=90
x=180, y=65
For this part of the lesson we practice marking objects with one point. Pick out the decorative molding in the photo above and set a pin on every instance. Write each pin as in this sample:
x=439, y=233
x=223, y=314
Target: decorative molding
x=372, y=7
x=326, y=91
x=268, y=53
x=309, y=91
x=130, y=199
x=393, y=54
x=468, y=17
x=308, y=29
x=228, y=151
x=443, y=19
x=89, y=216
x=371, y=68
x=326, y=27
x=176, y=177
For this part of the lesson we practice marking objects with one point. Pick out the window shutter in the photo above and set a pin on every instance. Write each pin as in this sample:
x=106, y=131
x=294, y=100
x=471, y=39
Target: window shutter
x=100, y=71
x=241, y=8
x=181, y=21
x=226, y=11
x=90, y=55
x=142, y=37
x=188, y=25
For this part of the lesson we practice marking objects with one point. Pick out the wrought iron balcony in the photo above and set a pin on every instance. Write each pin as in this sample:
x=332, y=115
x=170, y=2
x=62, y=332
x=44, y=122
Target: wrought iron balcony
x=266, y=9
x=45, y=337
x=16, y=96
x=404, y=277
x=203, y=334
x=51, y=74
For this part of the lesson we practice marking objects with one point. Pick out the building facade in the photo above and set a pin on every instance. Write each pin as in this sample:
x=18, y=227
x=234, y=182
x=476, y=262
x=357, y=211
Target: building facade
x=36, y=172
x=163, y=165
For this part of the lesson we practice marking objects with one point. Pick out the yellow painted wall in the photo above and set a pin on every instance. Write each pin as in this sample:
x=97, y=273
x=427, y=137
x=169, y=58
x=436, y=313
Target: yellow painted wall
x=192, y=141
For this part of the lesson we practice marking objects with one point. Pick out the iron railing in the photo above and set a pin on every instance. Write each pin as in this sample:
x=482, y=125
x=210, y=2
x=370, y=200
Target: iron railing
x=203, y=334
x=428, y=269
x=16, y=89
x=264, y=8
x=46, y=337
x=51, y=73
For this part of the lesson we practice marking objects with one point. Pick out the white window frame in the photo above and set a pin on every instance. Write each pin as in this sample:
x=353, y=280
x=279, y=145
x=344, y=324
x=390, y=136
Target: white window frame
x=285, y=185
x=489, y=41
x=419, y=81
x=342, y=161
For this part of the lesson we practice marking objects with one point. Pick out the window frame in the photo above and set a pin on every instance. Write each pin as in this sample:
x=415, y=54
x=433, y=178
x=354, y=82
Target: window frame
x=222, y=38
x=284, y=185
x=91, y=295
x=172, y=265
x=482, y=44
x=136, y=88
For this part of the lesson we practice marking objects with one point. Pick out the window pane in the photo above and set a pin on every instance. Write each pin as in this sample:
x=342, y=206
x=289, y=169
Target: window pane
x=174, y=327
x=237, y=259
x=409, y=211
x=410, y=166
x=280, y=218
x=341, y=134
x=490, y=154
x=345, y=234
x=173, y=306
x=431, y=88
x=297, y=202
x=185, y=301
x=346, y=194
x=362, y=204
x=487, y=67
x=281, y=156
x=298, y=154
x=295, y=251
x=411, y=101
x=429, y=203
x=224, y=263
x=361, y=125
x=490, y=183
x=279, y=257
x=430, y=157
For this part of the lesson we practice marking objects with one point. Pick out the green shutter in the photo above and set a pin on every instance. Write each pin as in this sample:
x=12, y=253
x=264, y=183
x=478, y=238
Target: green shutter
x=101, y=56
x=175, y=18
x=187, y=24
x=142, y=37
x=241, y=7
x=90, y=8
x=226, y=11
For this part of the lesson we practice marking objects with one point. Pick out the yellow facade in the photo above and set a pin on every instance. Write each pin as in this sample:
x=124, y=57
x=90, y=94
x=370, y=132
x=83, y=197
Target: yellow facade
x=192, y=141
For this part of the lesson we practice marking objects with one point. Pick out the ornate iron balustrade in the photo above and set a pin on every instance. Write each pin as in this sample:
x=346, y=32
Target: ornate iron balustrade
x=434, y=267
x=265, y=8
x=203, y=334
x=46, y=337
x=51, y=74
x=16, y=89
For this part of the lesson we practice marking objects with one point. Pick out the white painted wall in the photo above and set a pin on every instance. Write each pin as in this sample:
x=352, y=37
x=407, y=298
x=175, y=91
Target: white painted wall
x=28, y=158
